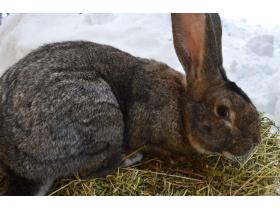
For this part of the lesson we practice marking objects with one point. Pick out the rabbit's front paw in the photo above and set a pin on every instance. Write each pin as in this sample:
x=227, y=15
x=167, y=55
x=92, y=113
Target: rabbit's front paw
x=132, y=160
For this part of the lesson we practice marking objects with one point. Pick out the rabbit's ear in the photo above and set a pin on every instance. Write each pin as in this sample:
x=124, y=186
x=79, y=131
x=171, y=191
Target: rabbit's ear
x=197, y=41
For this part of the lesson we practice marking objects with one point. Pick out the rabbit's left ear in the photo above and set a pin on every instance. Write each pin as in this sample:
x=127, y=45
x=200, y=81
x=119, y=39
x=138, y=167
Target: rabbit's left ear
x=197, y=41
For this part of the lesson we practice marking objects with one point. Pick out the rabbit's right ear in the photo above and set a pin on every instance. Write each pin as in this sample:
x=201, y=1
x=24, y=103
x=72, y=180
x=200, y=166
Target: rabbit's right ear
x=197, y=41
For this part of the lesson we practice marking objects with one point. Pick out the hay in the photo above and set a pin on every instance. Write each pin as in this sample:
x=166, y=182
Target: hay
x=212, y=175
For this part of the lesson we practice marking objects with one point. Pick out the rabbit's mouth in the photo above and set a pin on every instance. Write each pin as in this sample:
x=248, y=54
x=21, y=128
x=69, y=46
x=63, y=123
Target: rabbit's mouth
x=239, y=157
x=241, y=148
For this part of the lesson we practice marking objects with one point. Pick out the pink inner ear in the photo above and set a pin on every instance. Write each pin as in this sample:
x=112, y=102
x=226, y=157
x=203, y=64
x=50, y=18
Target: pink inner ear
x=193, y=32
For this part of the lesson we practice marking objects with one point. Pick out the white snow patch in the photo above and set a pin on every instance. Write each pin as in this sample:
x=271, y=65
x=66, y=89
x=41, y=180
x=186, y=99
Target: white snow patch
x=262, y=45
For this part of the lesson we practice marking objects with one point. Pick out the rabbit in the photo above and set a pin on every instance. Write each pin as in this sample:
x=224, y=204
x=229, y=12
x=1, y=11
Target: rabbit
x=80, y=107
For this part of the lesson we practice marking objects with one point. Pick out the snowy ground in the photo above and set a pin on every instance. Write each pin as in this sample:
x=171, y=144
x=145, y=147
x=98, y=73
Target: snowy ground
x=251, y=52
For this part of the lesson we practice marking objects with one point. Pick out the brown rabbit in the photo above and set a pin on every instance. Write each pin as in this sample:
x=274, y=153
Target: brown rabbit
x=80, y=106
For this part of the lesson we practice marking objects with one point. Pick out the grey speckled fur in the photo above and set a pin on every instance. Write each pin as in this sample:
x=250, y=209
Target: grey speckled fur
x=64, y=108
x=80, y=106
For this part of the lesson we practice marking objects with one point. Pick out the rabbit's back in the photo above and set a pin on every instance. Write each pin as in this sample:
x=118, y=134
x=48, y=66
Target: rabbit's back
x=79, y=106
x=57, y=113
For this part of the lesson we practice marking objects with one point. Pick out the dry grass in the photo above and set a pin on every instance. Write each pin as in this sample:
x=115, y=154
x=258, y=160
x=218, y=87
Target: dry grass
x=259, y=174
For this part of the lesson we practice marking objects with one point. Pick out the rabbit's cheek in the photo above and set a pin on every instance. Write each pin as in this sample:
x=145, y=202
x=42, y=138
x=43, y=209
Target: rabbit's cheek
x=240, y=144
x=208, y=135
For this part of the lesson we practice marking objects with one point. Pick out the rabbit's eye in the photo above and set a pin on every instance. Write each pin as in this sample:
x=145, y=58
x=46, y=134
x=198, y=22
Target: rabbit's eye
x=222, y=111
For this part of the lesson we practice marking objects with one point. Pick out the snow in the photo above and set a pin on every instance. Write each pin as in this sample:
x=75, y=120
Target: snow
x=250, y=50
x=262, y=45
